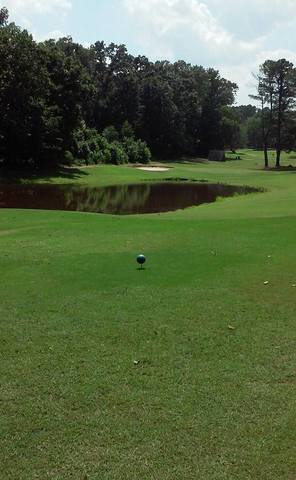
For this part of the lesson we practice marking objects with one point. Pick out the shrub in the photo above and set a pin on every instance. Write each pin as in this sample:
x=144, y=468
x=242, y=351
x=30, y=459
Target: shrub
x=131, y=149
x=97, y=157
x=93, y=148
x=102, y=142
x=127, y=131
x=111, y=134
x=83, y=152
x=68, y=158
x=144, y=152
x=107, y=156
x=118, y=155
x=137, y=151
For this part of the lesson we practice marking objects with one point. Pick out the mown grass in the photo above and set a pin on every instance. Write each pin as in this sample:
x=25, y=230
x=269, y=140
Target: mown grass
x=184, y=370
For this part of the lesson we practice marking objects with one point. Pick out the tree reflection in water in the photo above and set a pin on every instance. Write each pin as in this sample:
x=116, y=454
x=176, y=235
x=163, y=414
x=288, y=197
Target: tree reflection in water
x=120, y=199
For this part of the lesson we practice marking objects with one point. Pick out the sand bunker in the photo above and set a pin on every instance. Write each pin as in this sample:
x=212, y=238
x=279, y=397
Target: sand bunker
x=153, y=169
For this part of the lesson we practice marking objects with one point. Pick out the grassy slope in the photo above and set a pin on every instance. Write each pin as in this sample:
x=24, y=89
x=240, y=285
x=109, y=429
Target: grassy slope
x=204, y=401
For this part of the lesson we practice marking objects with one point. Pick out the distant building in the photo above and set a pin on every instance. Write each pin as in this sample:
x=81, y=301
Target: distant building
x=216, y=156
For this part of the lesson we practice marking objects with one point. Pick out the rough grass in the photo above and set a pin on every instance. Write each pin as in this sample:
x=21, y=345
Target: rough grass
x=184, y=370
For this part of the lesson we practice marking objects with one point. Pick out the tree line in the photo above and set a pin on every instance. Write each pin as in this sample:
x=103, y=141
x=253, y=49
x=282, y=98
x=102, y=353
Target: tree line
x=62, y=101
x=271, y=126
x=276, y=95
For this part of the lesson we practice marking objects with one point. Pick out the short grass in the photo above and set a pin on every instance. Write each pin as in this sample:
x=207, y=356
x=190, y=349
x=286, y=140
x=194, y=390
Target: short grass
x=185, y=370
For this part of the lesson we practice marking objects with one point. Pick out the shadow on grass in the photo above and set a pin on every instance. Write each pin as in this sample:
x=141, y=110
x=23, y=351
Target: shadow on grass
x=189, y=160
x=229, y=157
x=186, y=160
x=288, y=168
x=176, y=179
x=25, y=176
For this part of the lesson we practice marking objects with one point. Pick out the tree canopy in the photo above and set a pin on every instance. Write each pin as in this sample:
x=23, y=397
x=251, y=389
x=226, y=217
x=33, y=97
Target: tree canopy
x=52, y=93
x=276, y=94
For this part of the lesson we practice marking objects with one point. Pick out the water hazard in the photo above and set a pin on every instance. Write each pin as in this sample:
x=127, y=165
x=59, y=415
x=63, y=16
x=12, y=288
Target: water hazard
x=140, y=198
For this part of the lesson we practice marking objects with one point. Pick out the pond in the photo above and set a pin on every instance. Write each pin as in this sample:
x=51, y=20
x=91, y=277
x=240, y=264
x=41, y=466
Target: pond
x=152, y=197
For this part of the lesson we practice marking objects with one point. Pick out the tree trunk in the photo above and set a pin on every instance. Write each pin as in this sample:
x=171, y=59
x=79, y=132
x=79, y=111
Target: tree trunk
x=278, y=158
x=265, y=156
x=265, y=133
x=279, y=138
x=279, y=121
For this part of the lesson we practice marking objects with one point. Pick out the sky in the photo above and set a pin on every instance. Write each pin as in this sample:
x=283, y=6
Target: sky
x=234, y=36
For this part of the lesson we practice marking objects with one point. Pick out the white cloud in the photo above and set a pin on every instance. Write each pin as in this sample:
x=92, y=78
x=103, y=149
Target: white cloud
x=243, y=74
x=234, y=36
x=53, y=35
x=174, y=26
x=275, y=55
x=169, y=15
x=51, y=12
x=28, y=7
x=253, y=17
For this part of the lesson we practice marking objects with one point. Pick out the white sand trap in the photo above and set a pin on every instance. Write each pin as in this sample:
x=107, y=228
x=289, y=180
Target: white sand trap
x=153, y=169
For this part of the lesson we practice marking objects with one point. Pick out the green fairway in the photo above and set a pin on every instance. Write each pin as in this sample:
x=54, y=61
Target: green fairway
x=182, y=371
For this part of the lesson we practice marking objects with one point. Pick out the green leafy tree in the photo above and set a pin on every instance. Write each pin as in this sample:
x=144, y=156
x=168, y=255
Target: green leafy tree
x=157, y=114
x=69, y=89
x=284, y=74
x=111, y=134
x=57, y=95
x=23, y=81
x=127, y=131
x=254, y=134
x=276, y=92
x=220, y=93
x=3, y=17
x=230, y=129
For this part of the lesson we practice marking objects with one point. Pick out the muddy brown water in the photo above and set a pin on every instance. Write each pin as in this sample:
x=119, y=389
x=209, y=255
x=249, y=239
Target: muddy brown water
x=140, y=198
